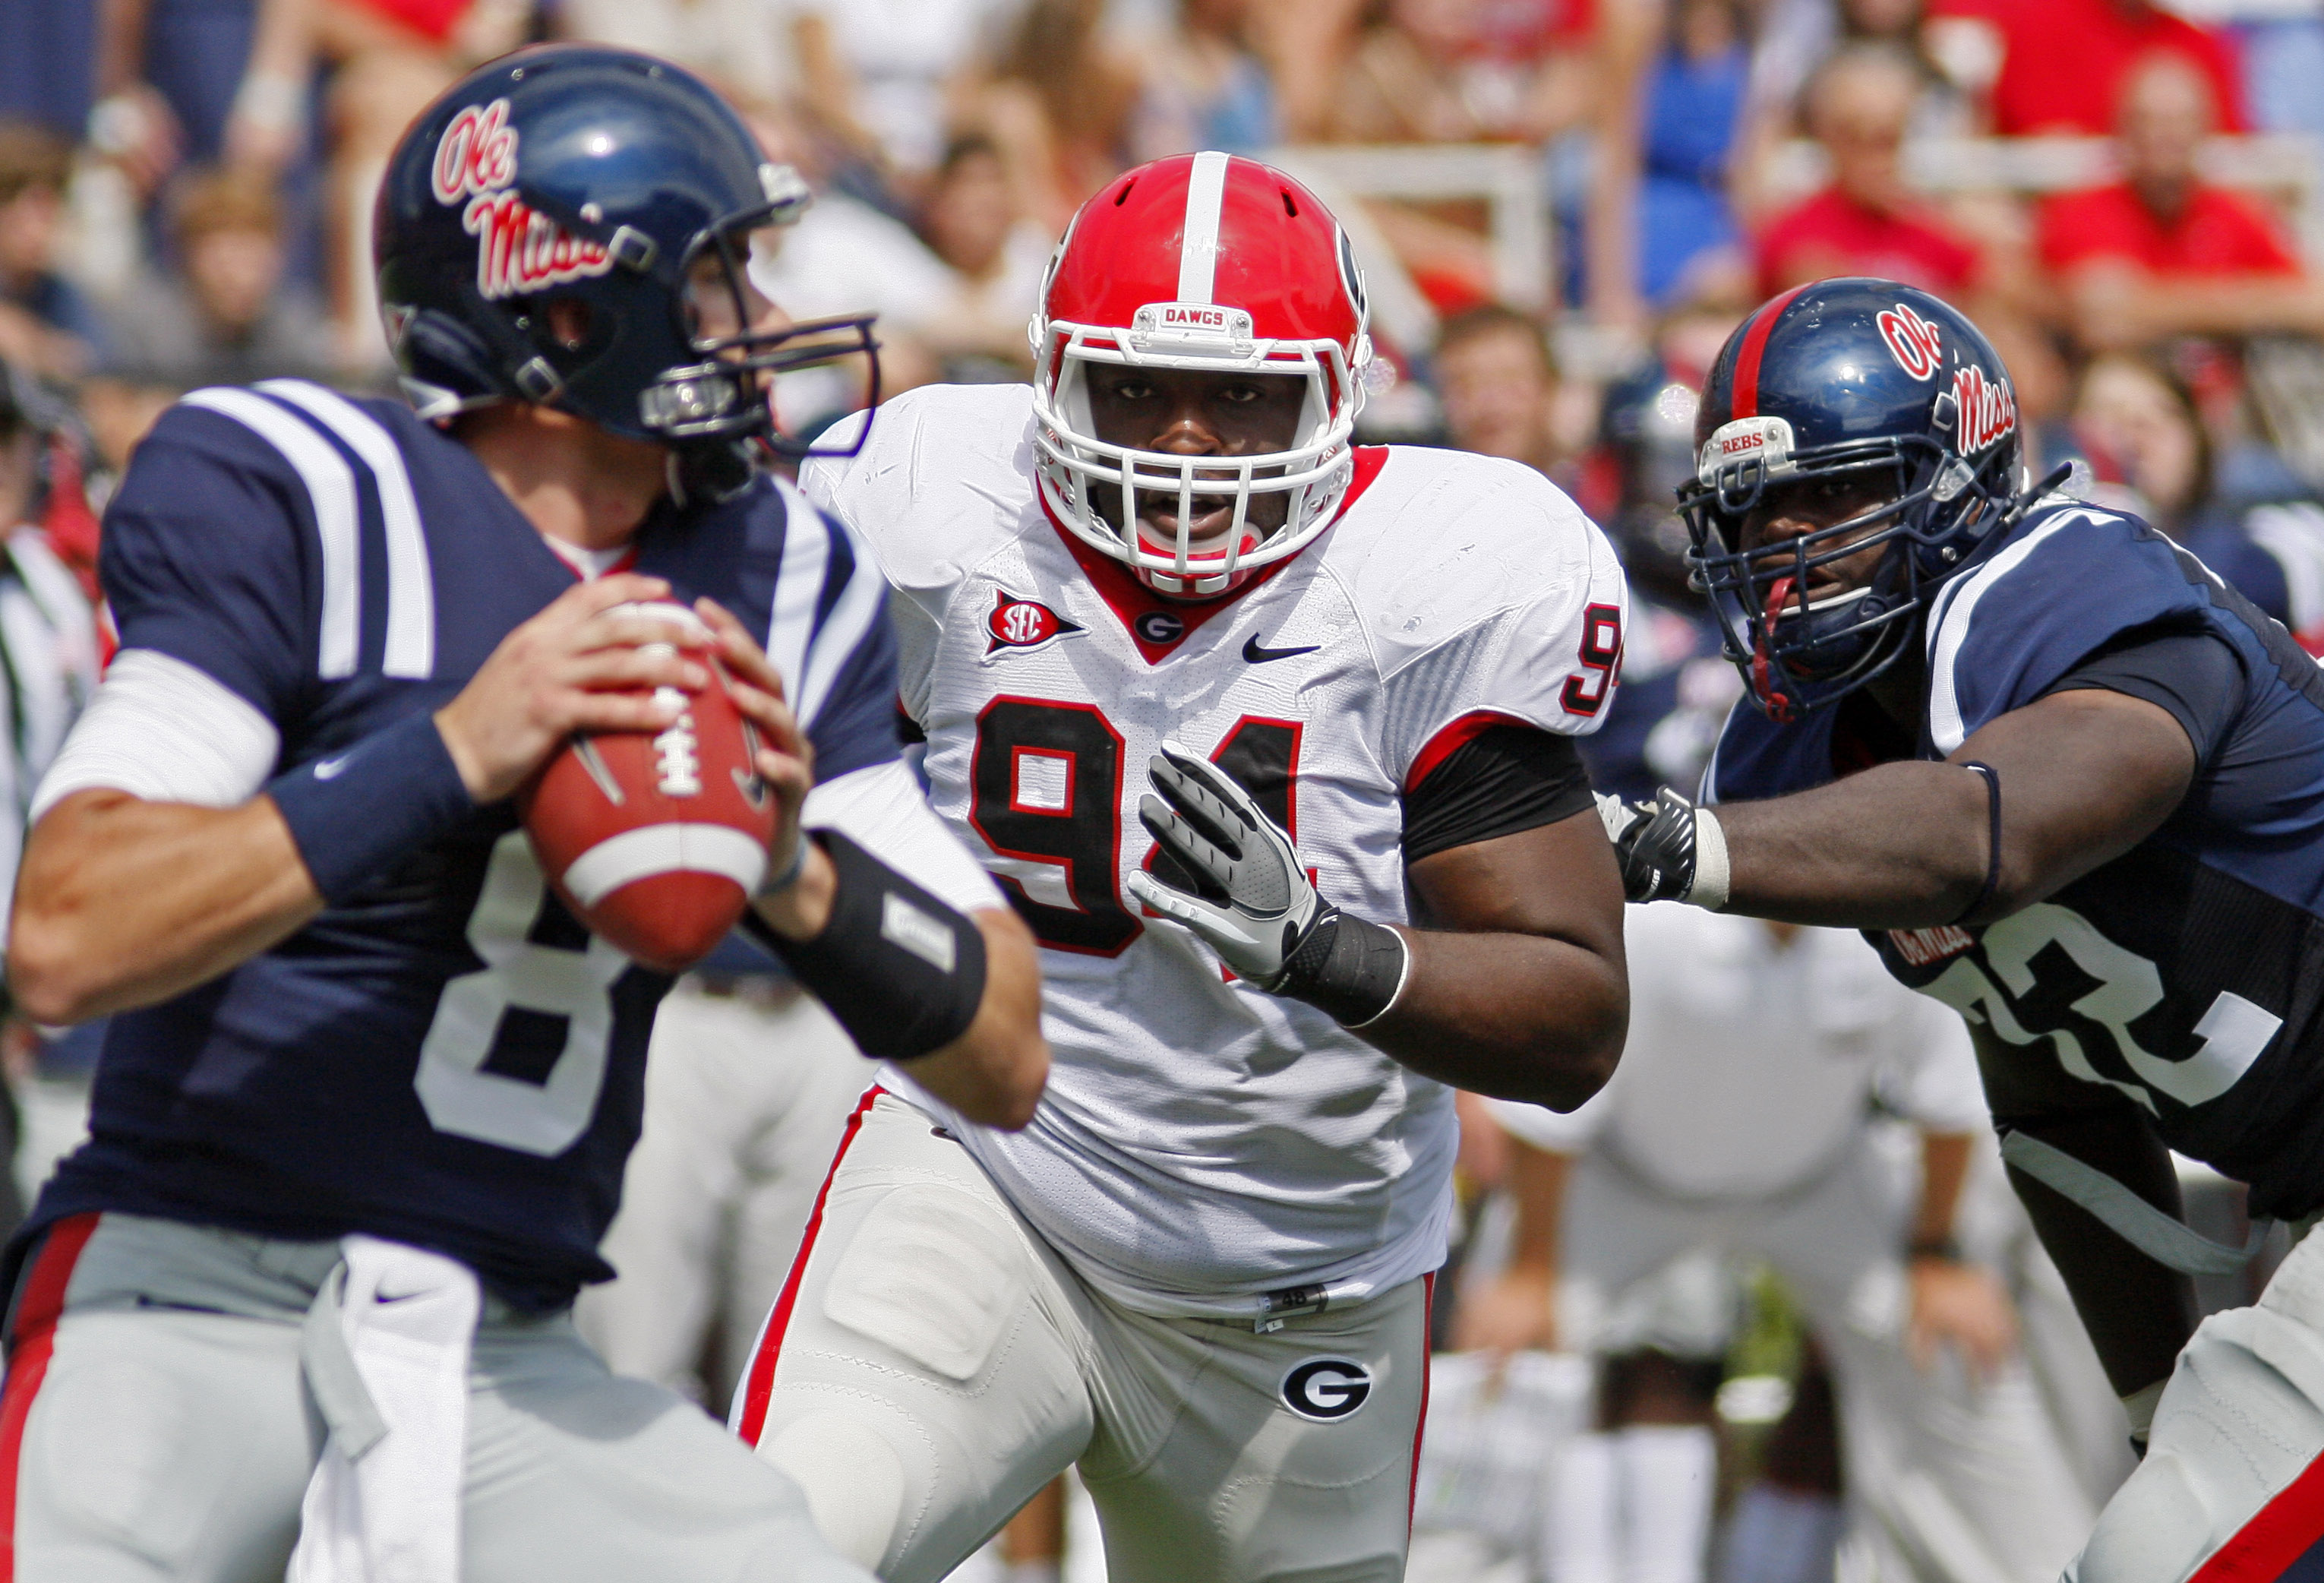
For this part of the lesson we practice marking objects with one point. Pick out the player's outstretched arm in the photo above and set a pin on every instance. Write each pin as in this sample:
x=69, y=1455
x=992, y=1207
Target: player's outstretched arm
x=123, y=900
x=2081, y=778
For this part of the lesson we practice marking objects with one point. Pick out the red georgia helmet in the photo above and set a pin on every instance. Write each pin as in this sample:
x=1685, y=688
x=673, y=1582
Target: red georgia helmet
x=1210, y=261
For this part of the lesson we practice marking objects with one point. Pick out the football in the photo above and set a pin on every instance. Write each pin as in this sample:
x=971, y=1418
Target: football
x=657, y=839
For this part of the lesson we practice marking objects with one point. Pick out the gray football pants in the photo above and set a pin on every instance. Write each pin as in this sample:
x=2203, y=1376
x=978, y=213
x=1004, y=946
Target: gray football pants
x=158, y=1422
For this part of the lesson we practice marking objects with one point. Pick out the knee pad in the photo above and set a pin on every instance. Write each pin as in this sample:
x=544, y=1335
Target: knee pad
x=934, y=1274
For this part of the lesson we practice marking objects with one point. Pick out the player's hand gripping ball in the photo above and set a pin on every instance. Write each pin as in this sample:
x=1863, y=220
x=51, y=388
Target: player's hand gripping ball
x=657, y=840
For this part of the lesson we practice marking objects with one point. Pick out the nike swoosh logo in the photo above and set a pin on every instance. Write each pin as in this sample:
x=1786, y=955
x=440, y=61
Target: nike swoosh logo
x=325, y=768
x=1254, y=653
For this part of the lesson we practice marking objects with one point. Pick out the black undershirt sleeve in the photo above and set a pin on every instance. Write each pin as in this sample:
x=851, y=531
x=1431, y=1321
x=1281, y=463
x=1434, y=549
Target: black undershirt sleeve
x=1504, y=780
x=2196, y=676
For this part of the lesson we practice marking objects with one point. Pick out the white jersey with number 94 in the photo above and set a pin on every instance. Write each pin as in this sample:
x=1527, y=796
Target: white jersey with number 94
x=1203, y=1144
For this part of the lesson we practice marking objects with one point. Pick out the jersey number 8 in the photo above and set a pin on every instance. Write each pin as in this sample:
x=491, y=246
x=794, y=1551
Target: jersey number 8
x=516, y=1055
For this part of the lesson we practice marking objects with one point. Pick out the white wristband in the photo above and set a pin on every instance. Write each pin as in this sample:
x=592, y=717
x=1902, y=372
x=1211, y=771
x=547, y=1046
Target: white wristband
x=1709, y=888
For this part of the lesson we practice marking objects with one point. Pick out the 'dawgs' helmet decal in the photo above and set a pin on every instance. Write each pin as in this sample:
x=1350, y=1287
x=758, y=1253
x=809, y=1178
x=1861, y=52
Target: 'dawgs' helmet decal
x=1327, y=1389
x=1023, y=624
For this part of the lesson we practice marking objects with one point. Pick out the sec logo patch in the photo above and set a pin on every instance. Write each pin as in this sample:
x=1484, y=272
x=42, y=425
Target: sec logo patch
x=1023, y=624
x=1324, y=1390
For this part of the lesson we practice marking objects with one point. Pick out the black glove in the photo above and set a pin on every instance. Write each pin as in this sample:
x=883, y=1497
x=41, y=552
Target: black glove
x=1670, y=849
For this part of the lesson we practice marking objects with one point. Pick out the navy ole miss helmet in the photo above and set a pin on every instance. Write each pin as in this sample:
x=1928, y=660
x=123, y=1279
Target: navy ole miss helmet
x=616, y=181
x=1874, y=382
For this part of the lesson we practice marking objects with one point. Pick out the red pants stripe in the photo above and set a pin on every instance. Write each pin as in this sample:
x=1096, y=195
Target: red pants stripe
x=759, y=1384
x=30, y=1341
x=1420, y=1430
x=2270, y=1546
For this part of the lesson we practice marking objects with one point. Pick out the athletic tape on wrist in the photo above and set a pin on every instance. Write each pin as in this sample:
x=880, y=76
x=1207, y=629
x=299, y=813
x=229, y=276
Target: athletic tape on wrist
x=1351, y=968
x=356, y=815
x=902, y=971
x=1709, y=891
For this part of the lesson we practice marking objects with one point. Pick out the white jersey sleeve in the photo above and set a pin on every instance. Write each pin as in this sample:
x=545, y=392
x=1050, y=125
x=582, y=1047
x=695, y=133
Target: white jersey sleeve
x=903, y=493
x=1489, y=598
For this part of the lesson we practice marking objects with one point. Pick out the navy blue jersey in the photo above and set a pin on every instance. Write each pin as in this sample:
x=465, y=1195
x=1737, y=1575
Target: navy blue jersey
x=448, y=1059
x=2188, y=974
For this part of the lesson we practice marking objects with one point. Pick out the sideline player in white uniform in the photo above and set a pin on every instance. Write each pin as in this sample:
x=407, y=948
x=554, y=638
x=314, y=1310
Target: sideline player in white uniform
x=1741, y=1120
x=1199, y=1273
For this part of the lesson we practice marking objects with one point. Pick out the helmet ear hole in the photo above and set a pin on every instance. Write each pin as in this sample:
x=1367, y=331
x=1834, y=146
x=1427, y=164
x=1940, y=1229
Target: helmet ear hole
x=570, y=319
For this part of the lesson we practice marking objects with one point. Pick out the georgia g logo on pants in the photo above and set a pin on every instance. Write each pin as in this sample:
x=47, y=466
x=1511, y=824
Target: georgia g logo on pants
x=1326, y=1389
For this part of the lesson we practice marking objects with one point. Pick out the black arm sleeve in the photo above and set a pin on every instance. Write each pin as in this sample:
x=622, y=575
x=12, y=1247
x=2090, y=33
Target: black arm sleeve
x=1502, y=781
x=2196, y=676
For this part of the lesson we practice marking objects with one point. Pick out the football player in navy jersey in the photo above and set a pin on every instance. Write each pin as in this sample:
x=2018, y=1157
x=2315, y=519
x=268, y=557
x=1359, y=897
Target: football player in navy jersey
x=2069, y=782
x=368, y=1086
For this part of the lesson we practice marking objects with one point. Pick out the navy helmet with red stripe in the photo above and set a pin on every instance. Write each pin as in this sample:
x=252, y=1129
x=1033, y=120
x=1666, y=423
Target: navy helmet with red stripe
x=570, y=225
x=1875, y=382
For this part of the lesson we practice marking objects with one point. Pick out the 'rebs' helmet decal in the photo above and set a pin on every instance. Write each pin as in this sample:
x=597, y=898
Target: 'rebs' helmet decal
x=1859, y=378
x=1203, y=262
x=605, y=177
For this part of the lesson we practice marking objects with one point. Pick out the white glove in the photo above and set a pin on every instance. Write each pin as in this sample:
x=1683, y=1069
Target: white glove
x=1254, y=905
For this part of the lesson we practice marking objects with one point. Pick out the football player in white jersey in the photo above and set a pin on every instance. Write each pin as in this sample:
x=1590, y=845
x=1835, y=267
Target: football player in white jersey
x=1269, y=738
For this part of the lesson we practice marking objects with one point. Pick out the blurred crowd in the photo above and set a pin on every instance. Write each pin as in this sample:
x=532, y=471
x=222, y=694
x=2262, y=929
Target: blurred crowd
x=2125, y=197
x=2121, y=194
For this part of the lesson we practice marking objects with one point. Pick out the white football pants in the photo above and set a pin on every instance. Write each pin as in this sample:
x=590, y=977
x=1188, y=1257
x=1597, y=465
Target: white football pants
x=746, y=1095
x=2232, y=1486
x=931, y=1363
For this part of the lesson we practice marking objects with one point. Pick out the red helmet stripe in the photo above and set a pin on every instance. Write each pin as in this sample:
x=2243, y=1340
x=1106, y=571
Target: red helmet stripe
x=1198, y=251
x=1746, y=356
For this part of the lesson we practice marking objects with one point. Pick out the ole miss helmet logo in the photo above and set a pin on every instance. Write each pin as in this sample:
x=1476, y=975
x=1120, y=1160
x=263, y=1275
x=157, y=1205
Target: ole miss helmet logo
x=1984, y=409
x=1023, y=624
x=519, y=249
x=1912, y=340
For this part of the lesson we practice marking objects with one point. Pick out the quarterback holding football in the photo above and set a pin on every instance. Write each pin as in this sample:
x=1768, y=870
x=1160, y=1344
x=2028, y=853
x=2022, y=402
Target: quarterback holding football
x=1269, y=738
x=377, y=1048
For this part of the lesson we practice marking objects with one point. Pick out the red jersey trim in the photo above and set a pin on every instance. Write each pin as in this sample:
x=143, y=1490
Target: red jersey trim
x=1450, y=739
x=1133, y=601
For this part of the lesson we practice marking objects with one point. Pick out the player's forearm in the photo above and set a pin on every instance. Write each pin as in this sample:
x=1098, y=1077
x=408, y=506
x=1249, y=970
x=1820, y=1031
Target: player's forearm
x=1513, y=1016
x=1537, y=1190
x=1900, y=847
x=993, y=1074
x=1944, y=1165
x=122, y=902
x=2080, y=777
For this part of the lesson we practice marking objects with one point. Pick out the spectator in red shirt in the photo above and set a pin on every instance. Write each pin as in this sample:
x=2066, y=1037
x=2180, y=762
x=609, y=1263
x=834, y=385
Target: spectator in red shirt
x=2065, y=63
x=2159, y=254
x=1866, y=222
